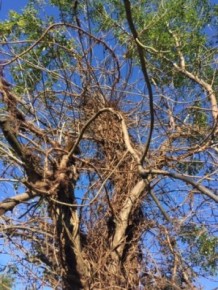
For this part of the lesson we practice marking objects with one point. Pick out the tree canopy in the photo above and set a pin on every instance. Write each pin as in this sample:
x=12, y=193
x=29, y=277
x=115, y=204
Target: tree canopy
x=108, y=145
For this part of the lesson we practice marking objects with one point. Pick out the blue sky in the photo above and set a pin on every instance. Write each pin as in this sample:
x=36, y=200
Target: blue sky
x=7, y=5
x=18, y=5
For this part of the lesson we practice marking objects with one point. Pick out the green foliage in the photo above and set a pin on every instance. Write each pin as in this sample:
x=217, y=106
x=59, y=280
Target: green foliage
x=64, y=67
x=203, y=248
x=19, y=25
x=6, y=282
x=54, y=46
x=163, y=28
x=200, y=118
x=190, y=167
x=62, y=4
x=66, y=9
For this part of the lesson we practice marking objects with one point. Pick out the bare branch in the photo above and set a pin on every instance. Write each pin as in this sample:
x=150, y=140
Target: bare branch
x=159, y=206
x=146, y=77
x=186, y=179
x=178, y=45
x=182, y=69
x=55, y=25
x=127, y=140
x=122, y=219
x=10, y=203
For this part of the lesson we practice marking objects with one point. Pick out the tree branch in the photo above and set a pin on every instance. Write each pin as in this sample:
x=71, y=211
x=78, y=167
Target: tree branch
x=122, y=220
x=181, y=68
x=144, y=71
x=160, y=206
x=201, y=188
x=9, y=203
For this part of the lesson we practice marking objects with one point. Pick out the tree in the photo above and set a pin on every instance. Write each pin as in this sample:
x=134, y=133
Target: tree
x=109, y=143
x=6, y=282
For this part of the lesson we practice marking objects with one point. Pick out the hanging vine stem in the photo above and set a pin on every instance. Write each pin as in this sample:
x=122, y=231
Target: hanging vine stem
x=145, y=73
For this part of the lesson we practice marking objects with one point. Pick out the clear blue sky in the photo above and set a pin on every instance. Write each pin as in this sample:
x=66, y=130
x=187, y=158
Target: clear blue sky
x=7, y=5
